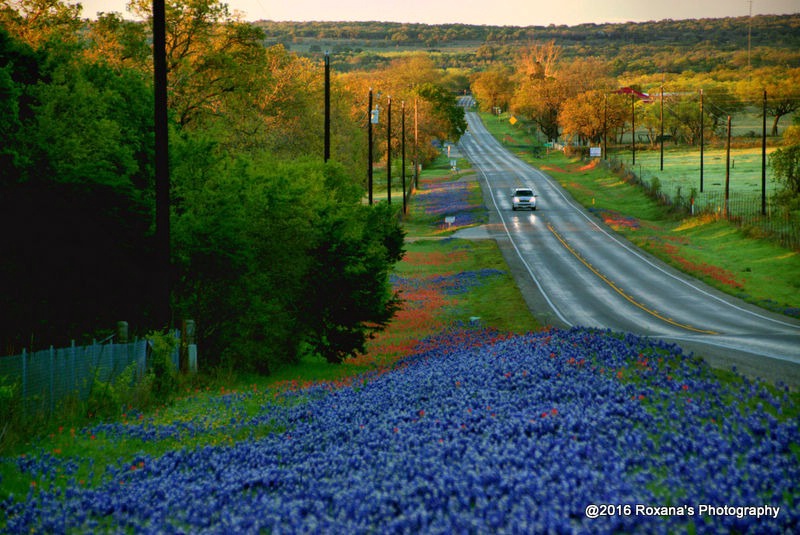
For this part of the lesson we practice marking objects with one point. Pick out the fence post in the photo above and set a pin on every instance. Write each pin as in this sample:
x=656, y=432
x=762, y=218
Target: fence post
x=24, y=381
x=188, y=360
x=52, y=379
x=73, y=379
x=122, y=332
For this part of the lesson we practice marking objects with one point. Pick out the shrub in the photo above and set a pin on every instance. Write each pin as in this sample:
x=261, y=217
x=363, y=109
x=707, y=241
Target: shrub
x=161, y=371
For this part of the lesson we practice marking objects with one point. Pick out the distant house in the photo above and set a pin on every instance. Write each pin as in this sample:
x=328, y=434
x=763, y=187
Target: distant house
x=644, y=97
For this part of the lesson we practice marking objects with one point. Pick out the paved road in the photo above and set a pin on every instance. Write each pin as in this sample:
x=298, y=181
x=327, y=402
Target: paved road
x=573, y=270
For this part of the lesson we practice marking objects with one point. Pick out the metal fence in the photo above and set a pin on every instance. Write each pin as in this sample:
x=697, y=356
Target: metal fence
x=741, y=208
x=48, y=376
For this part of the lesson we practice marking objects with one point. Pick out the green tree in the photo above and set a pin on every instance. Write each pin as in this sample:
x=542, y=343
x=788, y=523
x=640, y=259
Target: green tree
x=781, y=86
x=279, y=258
x=540, y=100
x=76, y=192
x=210, y=55
x=350, y=297
x=447, y=117
x=785, y=164
x=120, y=43
x=493, y=87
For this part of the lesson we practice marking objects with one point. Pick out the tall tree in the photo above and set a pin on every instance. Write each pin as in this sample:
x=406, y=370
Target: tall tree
x=590, y=115
x=76, y=192
x=209, y=55
x=785, y=164
x=540, y=100
x=493, y=87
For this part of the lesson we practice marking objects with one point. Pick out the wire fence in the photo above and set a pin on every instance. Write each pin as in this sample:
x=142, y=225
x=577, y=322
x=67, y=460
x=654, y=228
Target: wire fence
x=51, y=375
x=758, y=215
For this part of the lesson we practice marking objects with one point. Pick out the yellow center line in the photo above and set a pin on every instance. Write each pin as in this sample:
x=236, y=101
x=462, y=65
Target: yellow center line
x=620, y=291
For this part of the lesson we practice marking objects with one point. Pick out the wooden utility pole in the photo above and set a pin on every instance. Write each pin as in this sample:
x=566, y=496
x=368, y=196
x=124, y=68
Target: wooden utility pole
x=327, y=150
x=633, y=127
x=728, y=170
x=403, y=150
x=702, y=139
x=163, y=305
x=389, y=151
x=370, y=119
x=764, y=155
x=662, y=128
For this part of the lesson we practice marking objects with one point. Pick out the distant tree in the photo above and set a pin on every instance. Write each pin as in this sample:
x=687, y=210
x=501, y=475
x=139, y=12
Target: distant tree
x=584, y=74
x=683, y=120
x=538, y=60
x=781, y=86
x=590, y=115
x=493, y=87
x=721, y=101
x=448, y=117
x=540, y=100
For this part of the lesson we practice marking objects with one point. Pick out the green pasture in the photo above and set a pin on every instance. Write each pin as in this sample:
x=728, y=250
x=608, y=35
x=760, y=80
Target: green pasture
x=681, y=173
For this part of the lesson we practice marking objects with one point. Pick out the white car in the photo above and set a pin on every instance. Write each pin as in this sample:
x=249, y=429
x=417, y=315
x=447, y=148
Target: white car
x=523, y=198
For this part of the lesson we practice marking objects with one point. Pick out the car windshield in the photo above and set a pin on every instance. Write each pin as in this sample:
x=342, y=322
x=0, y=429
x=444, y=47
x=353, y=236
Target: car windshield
x=523, y=193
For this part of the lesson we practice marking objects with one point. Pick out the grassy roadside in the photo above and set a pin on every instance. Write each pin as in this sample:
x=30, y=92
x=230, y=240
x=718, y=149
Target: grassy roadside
x=706, y=247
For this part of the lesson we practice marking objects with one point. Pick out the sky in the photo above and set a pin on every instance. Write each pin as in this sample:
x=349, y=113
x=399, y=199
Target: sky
x=485, y=12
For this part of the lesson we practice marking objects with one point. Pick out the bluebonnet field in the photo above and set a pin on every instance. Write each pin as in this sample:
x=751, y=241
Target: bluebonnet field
x=476, y=432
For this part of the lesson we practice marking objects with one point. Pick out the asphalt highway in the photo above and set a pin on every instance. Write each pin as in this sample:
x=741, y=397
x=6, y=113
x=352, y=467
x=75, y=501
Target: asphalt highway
x=575, y=271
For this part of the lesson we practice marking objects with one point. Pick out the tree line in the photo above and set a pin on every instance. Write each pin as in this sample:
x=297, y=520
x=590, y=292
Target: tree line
x=651, y=47
x=579, y=101
x=276, y=254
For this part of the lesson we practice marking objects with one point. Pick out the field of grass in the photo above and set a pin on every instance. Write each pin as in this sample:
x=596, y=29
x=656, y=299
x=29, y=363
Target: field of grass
x=707, y=247
x=681, y=173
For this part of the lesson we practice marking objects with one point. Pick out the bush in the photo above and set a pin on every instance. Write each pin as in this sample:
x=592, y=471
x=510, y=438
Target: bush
x=9, y=410
x=161, y=372
x=109, y=399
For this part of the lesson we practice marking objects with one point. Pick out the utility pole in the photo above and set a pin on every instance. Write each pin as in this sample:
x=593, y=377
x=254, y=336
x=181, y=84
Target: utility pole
x=749, y=32
x=605, y=125
x=702, y=139
x=163, y=305
x=389, y=151
x=416, y=142
x=662, y=127
x=403, y=150
x=633, y=127
x=372, y=117
x=764, y=155
x=327, y=155
x=728, y=171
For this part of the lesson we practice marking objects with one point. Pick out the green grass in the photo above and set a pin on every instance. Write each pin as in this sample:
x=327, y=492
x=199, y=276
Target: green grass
x=681, y=173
